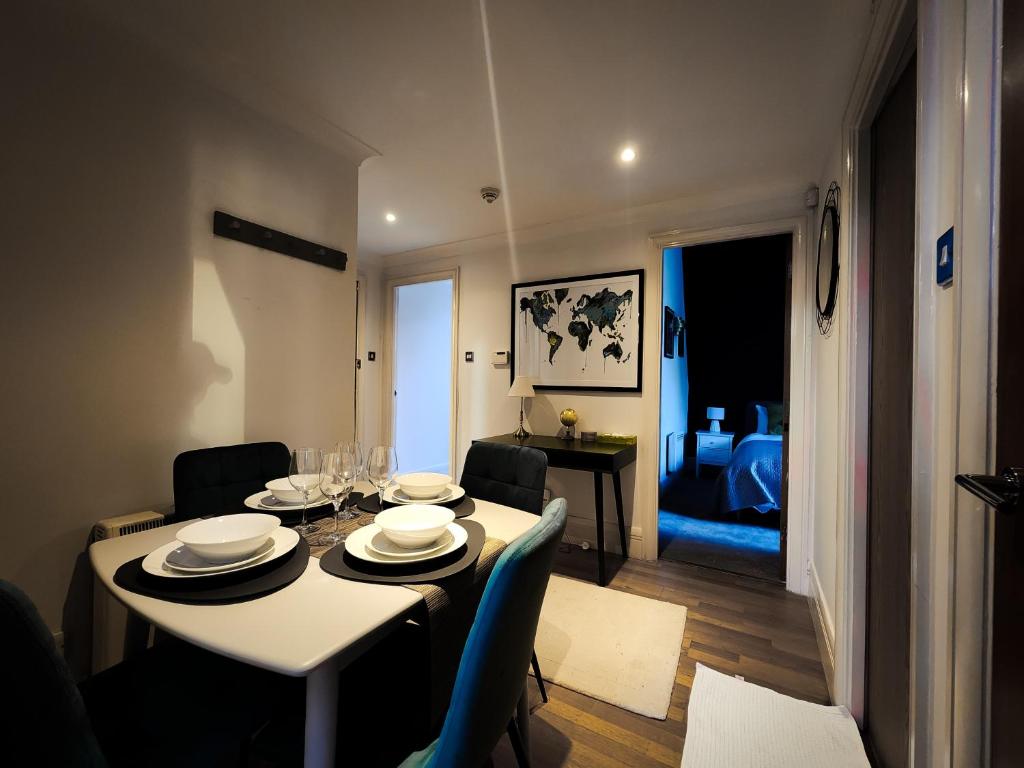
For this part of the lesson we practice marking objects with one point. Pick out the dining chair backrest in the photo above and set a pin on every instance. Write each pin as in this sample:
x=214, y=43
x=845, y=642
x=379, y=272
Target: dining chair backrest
x=497, y=654
x=216, y=481
x=46, y=721
x=512, y=475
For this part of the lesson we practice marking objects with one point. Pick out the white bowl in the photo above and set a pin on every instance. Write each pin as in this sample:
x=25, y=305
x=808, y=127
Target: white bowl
x=413, y=526
x=423, y=485
x=283, y=490
x=228, y=538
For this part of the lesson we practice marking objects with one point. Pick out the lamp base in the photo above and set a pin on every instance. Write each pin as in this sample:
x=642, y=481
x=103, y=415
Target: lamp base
x=521, y=433
x=716, y=426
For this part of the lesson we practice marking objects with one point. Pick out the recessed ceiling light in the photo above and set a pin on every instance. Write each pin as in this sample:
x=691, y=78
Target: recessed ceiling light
x=390, y=218
x=627, y=155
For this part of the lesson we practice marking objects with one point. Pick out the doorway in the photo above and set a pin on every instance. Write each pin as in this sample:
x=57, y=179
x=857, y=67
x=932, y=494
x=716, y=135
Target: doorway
x=887, y=658
x=423, y=322
x=724, y=416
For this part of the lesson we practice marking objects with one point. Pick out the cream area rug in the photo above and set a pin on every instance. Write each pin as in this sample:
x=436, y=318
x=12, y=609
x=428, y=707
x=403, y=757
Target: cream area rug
x=610, y=645
x=735, y=724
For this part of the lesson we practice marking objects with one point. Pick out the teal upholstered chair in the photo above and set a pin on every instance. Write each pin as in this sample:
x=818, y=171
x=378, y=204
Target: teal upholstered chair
x=497, y=653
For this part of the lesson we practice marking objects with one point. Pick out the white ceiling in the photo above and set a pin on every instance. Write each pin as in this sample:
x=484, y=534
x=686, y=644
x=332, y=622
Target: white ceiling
x=714, y=95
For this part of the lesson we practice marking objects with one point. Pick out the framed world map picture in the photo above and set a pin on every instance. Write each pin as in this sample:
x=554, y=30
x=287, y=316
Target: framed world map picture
x=580, y=333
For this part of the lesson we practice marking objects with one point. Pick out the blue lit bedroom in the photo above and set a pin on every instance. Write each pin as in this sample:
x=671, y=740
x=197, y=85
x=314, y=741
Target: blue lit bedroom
x=723, y=393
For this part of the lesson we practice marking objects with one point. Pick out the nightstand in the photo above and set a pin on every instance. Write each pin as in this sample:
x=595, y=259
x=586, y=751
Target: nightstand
x=713, y=448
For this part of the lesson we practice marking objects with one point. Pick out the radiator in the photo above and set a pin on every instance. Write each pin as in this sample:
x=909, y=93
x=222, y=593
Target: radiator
x=122, y=525
x=674, y=443
x=109, y=617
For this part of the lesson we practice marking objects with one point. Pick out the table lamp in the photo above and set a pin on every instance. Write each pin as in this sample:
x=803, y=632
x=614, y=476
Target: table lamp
x=715, y=415
x=522, y=388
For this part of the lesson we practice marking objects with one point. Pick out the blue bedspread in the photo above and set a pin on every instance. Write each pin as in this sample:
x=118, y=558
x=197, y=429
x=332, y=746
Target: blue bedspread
x=753, y=477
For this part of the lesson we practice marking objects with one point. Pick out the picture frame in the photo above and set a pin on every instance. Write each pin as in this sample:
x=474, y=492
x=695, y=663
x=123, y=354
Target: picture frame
x=582, y=333
x=670, y=331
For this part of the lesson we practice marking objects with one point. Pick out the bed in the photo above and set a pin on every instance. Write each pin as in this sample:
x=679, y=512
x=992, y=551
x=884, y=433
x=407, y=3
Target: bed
x=753, y=477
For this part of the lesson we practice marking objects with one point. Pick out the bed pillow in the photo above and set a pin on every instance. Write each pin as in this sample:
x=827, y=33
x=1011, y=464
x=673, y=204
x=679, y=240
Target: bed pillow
x=762, y=419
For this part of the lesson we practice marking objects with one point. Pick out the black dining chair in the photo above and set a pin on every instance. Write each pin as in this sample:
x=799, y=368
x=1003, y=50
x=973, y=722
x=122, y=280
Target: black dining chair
x=173, y=705
x=512, y=475
x=497, y=652
x=216, y=481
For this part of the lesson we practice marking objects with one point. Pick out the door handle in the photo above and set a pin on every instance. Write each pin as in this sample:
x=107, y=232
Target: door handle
x=1000, y=491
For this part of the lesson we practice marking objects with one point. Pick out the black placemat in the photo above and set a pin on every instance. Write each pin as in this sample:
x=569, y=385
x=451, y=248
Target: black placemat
x=463, y=507
x=338, y=562
x=217, y=588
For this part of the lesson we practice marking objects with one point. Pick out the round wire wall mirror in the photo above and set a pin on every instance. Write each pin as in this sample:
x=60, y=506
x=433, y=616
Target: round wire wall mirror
x=828, y=260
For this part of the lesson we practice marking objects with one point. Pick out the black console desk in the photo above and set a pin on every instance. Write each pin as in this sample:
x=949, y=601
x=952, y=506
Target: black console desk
x=599, y=458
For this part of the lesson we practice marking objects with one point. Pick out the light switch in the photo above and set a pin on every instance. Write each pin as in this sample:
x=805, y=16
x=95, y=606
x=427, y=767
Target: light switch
x=499, y=358
x=469, y=357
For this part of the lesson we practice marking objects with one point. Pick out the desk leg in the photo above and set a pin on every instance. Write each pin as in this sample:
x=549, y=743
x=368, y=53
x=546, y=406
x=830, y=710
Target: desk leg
x=599, y=502
x=321, y=716
x=617, y=483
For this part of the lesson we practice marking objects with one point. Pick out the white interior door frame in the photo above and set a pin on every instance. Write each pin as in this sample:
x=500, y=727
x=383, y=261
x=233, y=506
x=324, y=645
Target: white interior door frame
x=801, y=403
x=387, y=400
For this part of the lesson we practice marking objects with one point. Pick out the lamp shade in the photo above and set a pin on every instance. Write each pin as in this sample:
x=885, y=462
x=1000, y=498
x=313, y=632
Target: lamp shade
x=521, y=387
x=716, y=414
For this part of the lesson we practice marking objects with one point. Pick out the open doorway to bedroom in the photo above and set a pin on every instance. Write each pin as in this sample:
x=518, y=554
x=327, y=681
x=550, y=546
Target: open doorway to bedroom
x=724, y=405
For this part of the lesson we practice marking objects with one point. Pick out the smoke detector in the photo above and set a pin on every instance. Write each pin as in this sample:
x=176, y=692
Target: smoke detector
x=489, y=194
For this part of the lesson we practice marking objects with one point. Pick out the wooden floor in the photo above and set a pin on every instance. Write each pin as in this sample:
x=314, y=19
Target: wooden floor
x=735, y=624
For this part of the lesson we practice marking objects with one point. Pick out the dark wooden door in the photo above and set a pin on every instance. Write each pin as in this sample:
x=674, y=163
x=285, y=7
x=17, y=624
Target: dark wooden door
x=786, y=353
x=887, y=705
x=1008, y=558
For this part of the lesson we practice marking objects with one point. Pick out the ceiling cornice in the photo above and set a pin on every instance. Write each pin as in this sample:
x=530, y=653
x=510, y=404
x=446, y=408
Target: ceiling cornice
x=782, y=198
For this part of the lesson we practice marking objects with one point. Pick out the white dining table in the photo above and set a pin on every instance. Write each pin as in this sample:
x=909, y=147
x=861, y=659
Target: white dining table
x=311, y=628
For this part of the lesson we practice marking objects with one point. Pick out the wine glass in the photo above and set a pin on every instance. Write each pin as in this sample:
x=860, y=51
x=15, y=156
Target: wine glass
x=336, y=482
x=304, y=475
x=381, y=466
x=356, y=463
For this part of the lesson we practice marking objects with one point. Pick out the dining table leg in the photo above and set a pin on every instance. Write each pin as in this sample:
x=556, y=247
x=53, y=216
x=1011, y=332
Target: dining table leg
x=321, y=716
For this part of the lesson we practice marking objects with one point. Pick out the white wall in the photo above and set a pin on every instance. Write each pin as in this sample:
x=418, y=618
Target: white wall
x=675, y=383
x=827, y=456
x=131, y=333
x=615, y=241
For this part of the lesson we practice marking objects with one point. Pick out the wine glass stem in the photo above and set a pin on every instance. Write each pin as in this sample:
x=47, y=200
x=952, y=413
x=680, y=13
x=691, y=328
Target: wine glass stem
x=337, y=513
x=305, y=501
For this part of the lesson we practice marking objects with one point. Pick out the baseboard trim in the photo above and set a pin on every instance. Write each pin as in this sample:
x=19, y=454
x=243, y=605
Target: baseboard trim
x=580, y=529
x=824, y=631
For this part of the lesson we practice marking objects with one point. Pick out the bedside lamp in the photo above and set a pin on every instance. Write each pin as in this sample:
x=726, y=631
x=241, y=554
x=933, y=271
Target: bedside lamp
x=715, y=415
x=522, y=388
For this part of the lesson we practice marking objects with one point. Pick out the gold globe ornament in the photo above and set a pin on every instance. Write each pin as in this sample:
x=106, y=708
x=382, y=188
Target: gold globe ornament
x=569, y=419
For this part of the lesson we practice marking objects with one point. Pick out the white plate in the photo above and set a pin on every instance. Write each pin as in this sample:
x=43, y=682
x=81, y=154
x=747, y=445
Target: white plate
x=393, y=495
x=356, y=543
x=181, y=559
x=285, y=540
x=382, y=545
x=253, y=502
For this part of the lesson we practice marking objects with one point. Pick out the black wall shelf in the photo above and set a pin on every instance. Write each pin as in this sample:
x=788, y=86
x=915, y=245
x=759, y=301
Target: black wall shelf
x=235, y=228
